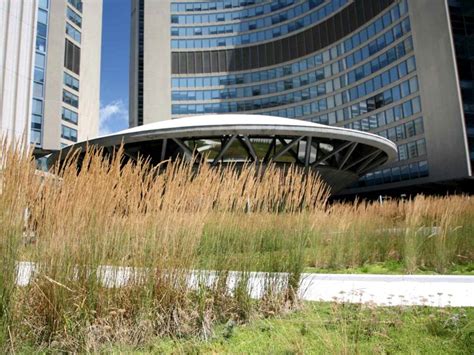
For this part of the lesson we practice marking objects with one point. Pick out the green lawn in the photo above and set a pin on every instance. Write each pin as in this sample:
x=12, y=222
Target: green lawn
x=322, y=328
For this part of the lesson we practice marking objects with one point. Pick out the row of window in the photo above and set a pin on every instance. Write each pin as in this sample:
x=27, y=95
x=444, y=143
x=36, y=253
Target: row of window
x=405, y=109
x=265, y=22
x=388, y=96
x=68, y=133
x=70, y=99
x=381, y=119
x=403, y=131
x=382, y=41
x=339, y=99
x=73, y=33
x=411, y=150
x=393, y=114
x=234, y=15
x=342, y=81
x=229, y=4
x=399, y=173
x=263, y=35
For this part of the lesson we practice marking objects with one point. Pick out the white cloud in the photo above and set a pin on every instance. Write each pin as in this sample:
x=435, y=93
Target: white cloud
x=113, y=117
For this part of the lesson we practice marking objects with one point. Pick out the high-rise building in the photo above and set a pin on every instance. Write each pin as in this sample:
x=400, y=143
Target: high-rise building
x=390, y=67
x=50, y=70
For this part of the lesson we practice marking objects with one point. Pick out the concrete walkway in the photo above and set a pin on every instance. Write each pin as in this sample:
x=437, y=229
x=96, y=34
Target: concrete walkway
x=430, y=290
x=388, y=290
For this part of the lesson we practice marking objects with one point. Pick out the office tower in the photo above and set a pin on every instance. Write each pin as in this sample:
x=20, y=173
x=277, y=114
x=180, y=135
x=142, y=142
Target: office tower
x=50, y=53
x=384, y=66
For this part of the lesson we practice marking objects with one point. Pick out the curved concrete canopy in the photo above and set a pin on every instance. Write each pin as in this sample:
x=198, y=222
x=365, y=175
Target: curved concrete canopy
x=340, y=155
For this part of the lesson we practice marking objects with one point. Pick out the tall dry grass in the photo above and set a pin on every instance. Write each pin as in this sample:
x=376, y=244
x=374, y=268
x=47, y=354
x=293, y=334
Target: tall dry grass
x=163, y=222
x=184, y=221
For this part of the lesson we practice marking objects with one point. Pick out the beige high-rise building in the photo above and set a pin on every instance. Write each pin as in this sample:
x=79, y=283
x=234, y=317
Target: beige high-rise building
x=50, y=53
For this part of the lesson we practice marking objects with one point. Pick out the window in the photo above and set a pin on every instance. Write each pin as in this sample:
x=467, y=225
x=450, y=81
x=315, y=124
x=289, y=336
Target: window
x=35, y=137
x=416, y=105
x=37, y=108
x=71, y=82
x=412, y=151
x=413, y=85
x=37, y=90
x=42, y=24
x=39, y=75
x=74, y=17
x=423, y=165
x=43, y=17
x=36, y=122
x=411, y=64
x=39, y=60
x=72, y=57
x=72, y=32
x=41, y=44
x=43, y=4
x=402, y=152
x=69, y=115
x=70, y=99
x=421, y=147
x=419, y=125
x=407, y=109
x=77, y=4
x=68, y=133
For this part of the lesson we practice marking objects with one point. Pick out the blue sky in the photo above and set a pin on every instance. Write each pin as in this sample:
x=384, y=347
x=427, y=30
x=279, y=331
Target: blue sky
x=114, y=67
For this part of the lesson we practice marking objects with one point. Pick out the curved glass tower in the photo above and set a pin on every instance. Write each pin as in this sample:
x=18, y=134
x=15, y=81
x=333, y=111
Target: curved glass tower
x=383, y=66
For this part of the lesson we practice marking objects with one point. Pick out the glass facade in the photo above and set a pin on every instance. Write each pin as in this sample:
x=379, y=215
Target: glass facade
x=358, y=74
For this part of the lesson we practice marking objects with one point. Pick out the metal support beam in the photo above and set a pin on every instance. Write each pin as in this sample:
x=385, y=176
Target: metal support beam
x=133, y=157
x=164, y=143
x=369, y=157
x=286, y=147
x=245, y=141
x=334, y=152
x=347, y=155
x=269, y=151
x=375, y=164
x=369, y=163
x=224, y=149
x=188, y=153
x=291, y=151
x=307, y=156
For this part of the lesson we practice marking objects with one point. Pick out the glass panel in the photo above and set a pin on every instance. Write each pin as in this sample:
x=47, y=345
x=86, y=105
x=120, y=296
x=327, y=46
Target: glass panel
x=37, y=108
x=37, y=90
